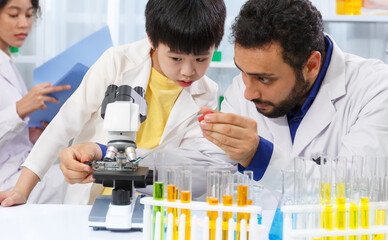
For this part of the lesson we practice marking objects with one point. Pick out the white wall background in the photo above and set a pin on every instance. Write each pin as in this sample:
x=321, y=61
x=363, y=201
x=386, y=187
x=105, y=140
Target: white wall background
x=63, y=23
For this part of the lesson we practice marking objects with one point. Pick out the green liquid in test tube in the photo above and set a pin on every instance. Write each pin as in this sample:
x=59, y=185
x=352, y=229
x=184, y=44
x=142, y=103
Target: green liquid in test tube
x=158, y=195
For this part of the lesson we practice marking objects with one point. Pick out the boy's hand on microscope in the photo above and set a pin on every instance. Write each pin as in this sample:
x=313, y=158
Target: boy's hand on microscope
x=12, y=198
x=73, y=162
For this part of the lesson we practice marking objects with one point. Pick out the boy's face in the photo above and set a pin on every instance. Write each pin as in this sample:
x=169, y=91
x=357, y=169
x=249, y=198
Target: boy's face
x=183, y=69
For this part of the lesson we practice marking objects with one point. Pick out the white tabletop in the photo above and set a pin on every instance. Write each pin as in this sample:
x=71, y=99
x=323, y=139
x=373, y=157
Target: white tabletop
x=47, y=222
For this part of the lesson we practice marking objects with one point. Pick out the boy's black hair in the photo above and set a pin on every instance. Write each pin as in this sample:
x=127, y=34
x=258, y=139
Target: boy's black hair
x=35, y=5
x=186, y=26
x=295, y=24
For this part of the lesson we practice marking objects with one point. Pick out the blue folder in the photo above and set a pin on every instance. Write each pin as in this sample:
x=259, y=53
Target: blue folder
x=73, y=77
x=69, y=67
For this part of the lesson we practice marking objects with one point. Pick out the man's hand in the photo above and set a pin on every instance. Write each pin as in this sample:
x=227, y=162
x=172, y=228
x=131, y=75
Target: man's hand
x=11, y=198
x=235, y=134
x=72, y=162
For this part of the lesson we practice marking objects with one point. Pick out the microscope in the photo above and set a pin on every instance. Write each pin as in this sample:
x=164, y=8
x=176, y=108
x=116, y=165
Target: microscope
x=123, y=109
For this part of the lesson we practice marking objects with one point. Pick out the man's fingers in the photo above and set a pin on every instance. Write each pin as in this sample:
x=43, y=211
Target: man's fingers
x=222, y=139
x=231, y=119
x=228, y=130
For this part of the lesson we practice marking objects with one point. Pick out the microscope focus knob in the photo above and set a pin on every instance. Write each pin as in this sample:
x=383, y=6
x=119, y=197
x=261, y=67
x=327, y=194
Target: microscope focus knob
x=121, y=197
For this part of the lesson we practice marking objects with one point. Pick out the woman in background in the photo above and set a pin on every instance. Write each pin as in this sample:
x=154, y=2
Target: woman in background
x=16, y=103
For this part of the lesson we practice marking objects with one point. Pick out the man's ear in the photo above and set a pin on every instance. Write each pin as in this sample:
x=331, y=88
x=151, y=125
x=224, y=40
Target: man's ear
x=313, y=65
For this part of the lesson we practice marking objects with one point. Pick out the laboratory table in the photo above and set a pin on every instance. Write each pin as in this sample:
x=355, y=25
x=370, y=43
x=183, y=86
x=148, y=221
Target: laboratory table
x=49, y=221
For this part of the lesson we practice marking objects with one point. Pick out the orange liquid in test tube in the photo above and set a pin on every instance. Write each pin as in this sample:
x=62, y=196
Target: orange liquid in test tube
x=242, y=201
x=186, y=198
x=171, y=197
x=212, y=218
x=227, y=201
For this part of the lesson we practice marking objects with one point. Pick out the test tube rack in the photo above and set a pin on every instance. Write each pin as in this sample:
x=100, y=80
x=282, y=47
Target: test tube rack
x=199, y=222
x=289, y=231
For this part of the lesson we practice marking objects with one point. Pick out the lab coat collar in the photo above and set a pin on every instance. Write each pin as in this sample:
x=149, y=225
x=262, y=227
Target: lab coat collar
x=5, y=67
x=322, y=111
x=335, y=82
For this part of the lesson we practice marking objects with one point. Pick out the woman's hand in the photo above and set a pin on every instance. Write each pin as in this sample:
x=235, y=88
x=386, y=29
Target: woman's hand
x=35, y=99
x=35, y=132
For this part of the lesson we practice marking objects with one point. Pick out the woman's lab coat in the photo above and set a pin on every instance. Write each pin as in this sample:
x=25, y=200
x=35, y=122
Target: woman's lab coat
x=79, y=118
x=349, y=116
x=15, y=144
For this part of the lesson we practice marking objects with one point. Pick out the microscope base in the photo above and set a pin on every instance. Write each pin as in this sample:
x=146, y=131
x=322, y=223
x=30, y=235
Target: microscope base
x=98, y=215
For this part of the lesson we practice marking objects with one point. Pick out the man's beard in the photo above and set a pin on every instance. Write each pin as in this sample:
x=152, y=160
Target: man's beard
x=299, y=91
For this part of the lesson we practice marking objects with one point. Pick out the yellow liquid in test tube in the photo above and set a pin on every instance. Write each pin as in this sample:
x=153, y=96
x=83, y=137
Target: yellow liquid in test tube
x=329, y=219
x=227, y=201
x=340, y=217
x=325, y=198
x=380, y=220
x=186, y=198
x=242, y=201
x=171, y=197
x=365, y=216
x=353, y=219
x=212, y=218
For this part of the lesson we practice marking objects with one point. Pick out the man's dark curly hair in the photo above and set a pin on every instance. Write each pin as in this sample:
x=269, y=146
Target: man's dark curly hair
x=295, y=24
x=35, y=5
x=186, y=26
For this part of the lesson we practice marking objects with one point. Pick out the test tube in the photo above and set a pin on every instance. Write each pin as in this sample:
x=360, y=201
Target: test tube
x=326, y=180
x=312, y=192
x=227, y=200
x=172, y=181
x=299, y=220
x=340, y=195
x=377, y=189
x=367, y=167
x=287, y=198
x=159, y=179
x=249, y=176
x=242, y=200
x=354, y=192
x=186, y=184
x=213, y=196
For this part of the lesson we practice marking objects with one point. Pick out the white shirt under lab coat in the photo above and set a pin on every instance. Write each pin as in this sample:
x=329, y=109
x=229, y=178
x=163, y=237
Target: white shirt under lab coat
x=79, y=117
x=349, y=116
x=15, y=144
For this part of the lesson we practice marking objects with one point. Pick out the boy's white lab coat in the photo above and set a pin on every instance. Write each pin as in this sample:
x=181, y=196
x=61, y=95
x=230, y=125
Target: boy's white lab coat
x=349, y=116
x=80, y=118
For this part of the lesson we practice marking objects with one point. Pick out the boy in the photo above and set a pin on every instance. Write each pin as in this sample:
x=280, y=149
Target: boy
x=182, y=36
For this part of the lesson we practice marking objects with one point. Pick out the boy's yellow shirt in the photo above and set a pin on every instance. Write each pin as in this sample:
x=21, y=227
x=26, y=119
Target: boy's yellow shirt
x=161, y=95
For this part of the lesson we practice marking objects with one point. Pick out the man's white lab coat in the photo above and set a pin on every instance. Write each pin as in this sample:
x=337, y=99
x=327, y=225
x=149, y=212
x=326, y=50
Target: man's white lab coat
x=79, y=118
x=349, y=116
